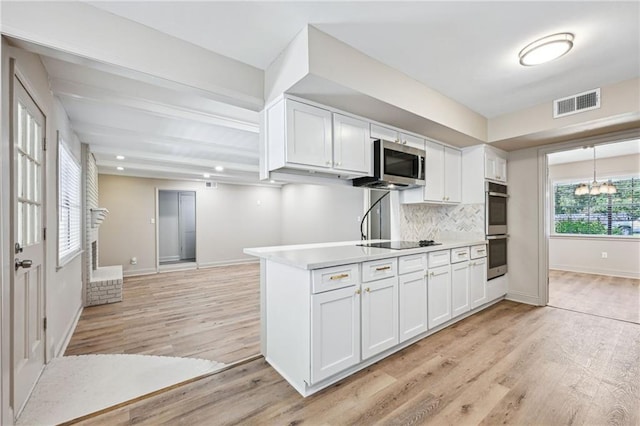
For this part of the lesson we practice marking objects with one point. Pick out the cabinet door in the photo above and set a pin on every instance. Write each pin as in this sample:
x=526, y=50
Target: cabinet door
x=490, y=171
x=413, y=304
x=384, y=133
x=351, y=144
x=411, y=140
x=460, y=289
x=501, y=169
x=452, y=175
x=478, y=282
x=434, y=172
x=379, y=316
x=308, y=135
x=439, y=286
x=335, y=332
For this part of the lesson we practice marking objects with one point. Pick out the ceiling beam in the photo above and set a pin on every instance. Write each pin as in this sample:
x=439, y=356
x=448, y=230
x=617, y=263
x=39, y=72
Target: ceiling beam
x=167, y=170
x=88, y=93
x=150, y=158
x=75, y=31
x=94, y=134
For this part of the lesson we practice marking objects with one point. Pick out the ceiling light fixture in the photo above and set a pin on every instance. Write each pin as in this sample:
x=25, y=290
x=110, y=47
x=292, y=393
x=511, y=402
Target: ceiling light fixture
x=546, y=49
x=119, y=157
x=595, y=188
x=219, y=169
x=120, y=168
x=206, y=175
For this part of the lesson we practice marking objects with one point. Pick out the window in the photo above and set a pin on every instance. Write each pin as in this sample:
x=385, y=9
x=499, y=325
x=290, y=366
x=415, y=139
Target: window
x=604, y=214
x=68, y=204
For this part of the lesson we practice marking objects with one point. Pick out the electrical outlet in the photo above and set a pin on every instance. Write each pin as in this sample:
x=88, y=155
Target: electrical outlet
x=133, y=261
x=604, y=254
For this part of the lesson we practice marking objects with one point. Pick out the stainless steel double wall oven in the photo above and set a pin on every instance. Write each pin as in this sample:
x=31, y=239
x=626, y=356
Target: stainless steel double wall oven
x=496, y=228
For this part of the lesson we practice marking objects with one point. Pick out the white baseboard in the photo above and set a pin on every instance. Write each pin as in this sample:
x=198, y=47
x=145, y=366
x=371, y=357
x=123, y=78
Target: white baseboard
x=227, y=263
x=523, y=298
x=596, y=271
x=136, y=272
x=67, y=336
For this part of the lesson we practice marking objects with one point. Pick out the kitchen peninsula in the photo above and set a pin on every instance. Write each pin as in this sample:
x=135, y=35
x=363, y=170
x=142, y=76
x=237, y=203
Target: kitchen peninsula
x=329, y=310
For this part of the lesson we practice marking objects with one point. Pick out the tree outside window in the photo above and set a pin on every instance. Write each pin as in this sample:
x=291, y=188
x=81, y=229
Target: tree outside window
x=603, y=214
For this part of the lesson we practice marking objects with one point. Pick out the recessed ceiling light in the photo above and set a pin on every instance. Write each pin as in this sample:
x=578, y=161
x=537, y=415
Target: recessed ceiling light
x=119, y=157
x=120, y=168
x=219, y=169
x=272, y=181
x=546, y=49
x=206, y=175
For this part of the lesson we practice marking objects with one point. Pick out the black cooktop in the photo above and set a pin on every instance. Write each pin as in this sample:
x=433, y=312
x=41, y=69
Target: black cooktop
x=402, y=245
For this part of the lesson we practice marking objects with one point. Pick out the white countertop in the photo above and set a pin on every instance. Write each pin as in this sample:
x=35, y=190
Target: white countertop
x=315, y=256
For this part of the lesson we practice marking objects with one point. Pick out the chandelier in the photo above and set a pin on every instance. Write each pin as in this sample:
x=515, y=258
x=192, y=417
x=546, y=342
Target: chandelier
x=595, y=188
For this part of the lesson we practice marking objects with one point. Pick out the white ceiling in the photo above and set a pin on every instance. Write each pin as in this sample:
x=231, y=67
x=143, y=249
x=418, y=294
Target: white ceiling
x=617, y=149
x=466, y=50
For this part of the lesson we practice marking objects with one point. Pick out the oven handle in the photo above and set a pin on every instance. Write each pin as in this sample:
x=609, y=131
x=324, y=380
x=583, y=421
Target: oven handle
x=497, y=237
x=498, y=194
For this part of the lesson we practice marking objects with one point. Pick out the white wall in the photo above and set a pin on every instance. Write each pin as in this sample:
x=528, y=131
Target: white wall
x=584, y=253
x=318, y=214
x=63, y=286
x=522, y=211
x=229, y=218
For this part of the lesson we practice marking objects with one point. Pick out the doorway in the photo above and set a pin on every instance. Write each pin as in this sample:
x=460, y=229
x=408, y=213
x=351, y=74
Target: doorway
x=176, y=227
x=593, y=216
x=380, y=216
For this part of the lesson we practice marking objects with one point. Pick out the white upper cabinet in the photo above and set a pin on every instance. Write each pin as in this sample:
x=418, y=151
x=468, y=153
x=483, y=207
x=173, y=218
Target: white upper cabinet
x=393, y=135
x=308, y=135
x=443, y=177
x=452, y=175
x=495, y=166
x=434, y=169
x=351, y=144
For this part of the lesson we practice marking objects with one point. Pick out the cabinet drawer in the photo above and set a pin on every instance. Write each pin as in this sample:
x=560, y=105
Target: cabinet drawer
x=378, y=269
x=478, y=251
x=460, y=254
x=412, y=263
x=335, y=277
x=438, y=258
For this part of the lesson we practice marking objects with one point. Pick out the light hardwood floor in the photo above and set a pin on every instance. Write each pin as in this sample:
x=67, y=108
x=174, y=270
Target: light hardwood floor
x=208, y=313
x=510, y=364
x=611, y=297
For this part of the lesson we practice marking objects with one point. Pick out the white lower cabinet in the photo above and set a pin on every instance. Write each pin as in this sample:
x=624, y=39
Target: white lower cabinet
x=413, y=304
x=335, y=332
x=478, y=282
x=379, y=316
x=460, y=298
x=439, y=295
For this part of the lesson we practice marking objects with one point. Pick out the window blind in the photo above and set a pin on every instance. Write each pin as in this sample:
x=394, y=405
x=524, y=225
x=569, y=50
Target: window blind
x=69, y=175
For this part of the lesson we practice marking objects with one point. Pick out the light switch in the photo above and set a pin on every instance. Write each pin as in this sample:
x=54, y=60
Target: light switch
x=153, y=220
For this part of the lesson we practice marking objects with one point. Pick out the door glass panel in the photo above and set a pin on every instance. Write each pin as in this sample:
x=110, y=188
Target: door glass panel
x=20, y=231
x=36, y=141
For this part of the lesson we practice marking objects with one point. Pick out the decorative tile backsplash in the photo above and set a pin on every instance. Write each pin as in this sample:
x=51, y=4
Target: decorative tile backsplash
x=432, y=222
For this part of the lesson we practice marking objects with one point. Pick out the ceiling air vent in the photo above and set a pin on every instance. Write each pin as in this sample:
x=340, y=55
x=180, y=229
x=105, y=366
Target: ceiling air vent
x=574, y=104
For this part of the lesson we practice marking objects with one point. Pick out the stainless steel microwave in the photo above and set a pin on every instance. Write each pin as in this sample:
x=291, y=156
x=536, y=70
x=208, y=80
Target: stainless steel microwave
x=395, y=166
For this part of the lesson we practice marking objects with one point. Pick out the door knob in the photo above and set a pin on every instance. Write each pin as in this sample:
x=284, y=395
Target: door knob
x=23, y=264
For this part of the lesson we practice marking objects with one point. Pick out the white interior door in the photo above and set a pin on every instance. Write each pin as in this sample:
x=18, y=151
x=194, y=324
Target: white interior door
x=187, y=219
x=28, y=338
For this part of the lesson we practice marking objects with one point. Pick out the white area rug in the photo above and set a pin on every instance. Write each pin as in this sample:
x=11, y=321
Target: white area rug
x=74, y=386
